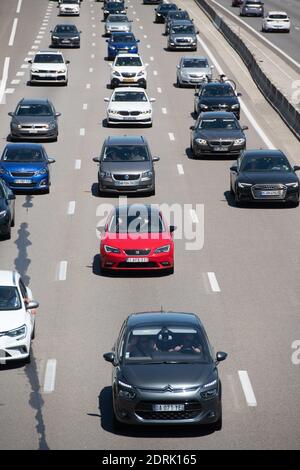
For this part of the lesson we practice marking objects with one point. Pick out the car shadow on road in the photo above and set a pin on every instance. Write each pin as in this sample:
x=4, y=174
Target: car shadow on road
x=124, y=274
x=149, y=431
x=248, y=205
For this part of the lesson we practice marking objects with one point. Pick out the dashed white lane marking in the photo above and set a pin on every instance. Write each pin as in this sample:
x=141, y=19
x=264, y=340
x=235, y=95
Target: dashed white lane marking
x=43, y=28
x=34, y=47
x=164, y=110
x=49, y=382
x=137, y=19
x=62, y=272
x=37, y=41
x=24, y=66
x=145, y=36
x=93, y=18
x=134, y=12
x=93, y=26
x=13, y=32
x=180, y=169
x=91, y=69
x=9, y=91
x=84, y=106
x=71, y=208
x=82, y=131
x=213, y=282
x=141, y=27
x=92, y=56
x=26, y=59
x=297, y=28
x=171, y=136
x=93, y=44
x=77, y=164
x=247, y=388
x=31, y=53
x=148, y=46
x=94, y=35
x=39, y=36
x=88, y=86
x=20, y=74
x=194, y=216
x=151, y=58
x=19, y=6
x=15, y=82
x=158, y=90
x=155, y=72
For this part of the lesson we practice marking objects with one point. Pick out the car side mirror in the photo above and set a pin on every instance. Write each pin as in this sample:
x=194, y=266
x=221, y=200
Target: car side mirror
x=192, y=128
x=29, y=61
x=221, y=356
x=67, y=61
x=239, y=94
x=51, y=160
x=106, y=40
x=212, y=66
x=96, y=159
x=233, y=168
x=32, y=304
x=11, y=196
x=296, y=168
x=109, y=357
x=11, y=114
x=106, y=99
x=155, y=159
x=57, y=114
x=245, y=128
x=172, y=228
x=178, y=66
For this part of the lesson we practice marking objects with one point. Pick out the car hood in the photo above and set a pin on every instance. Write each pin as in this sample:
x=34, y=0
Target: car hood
x=122, y=44
x=267, y=177
x=158, y=376
x=33, y=119
x=69, y=5
x=136, y=241
x=129, y=69
x=195, y=70
x=11, y=319
x=219, y=100
x=118, y=24
x=48, y=66
x=182, y=35
x=125, y=167
x=219, y=134
x=130, y=105
x=22, y=166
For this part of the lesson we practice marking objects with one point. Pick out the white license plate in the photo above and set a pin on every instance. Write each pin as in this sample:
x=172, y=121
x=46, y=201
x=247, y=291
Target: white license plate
x=168, y=407
x=65, y=41
x=129, y=118
x=270, y=193
x=137, y=260
x=220, y=149
x=33, y=131
x=22, y=181
x=125, y=183
x=129, y=79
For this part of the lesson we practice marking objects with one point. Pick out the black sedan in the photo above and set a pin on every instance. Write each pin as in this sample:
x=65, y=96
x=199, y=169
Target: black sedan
x=217, y=97
x=165, y=372
x=264, y=176
x=113, y=8
x=162, y=10
x=217, y=133
x=65, y=35
x=7, y=210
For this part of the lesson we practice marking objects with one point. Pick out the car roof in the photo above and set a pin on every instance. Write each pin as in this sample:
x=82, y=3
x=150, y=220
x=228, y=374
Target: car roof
x=49, y=51
x=125, y=54
x=263, y=153
x=275, y=12
x=30, y=145
x=215, y=84
x=121, y=33
x=181, y=22
x=9, y=278
x=189, y=57
x=125, y=140
x=158, y=317
x=217, y=114
x=129, y=88
x=65, y=24
x=34, y=101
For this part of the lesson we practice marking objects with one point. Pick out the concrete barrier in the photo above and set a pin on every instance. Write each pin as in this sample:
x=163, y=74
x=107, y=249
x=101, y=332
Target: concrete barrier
x=275, y=97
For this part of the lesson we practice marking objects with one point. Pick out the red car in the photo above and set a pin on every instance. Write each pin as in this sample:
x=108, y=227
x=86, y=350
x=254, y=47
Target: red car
x=136, y=237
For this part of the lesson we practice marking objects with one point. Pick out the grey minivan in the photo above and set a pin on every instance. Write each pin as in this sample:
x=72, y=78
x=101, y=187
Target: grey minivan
x=182, y=35
x=126, y=166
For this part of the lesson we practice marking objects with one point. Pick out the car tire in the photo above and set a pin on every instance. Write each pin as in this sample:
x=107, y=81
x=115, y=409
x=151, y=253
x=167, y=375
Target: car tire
x=33, y=332
x=237, y=202
x=231, y=190
x=27, y=359
x=178, y=84
x=8, y=234
x=12, y=224
x=152, y=193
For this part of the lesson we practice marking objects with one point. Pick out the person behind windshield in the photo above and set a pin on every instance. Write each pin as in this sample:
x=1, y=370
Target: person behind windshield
x=189, y=344
x=142, y=346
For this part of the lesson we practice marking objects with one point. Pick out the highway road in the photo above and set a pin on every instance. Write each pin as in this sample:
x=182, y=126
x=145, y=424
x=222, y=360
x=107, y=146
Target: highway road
x=253, y=311
x=289, y=43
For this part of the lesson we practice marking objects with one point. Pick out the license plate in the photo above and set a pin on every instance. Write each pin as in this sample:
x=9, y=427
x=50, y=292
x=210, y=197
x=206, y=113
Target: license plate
x=33, y=131
x=129, y=79
x=22, y=181
x=220, y=149
x=270, y=193
x=137, y=260
x=129, y=118
x=125, y=183
x=65, y=41
x=168, y=407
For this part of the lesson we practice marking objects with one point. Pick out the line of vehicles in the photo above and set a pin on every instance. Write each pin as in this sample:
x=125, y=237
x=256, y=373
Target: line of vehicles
x=272, y=21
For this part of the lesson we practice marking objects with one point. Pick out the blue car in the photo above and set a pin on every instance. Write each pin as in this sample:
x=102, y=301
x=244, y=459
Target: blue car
x=25, y=167
x=121, y=42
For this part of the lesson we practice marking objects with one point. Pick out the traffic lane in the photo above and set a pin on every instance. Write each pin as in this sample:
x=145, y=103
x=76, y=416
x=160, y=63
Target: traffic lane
x=289, y=43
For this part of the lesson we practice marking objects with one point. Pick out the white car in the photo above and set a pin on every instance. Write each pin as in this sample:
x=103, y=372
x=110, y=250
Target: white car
x=128, y=69
x=276, y=21
x=17, y=317
x=69, y=8
x=129, y=106
x=50, y=67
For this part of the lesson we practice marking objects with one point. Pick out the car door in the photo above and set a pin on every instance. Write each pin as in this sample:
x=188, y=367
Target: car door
x=9, y=198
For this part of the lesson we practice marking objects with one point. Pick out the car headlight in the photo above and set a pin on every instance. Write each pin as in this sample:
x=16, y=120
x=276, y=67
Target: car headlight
x=140, y=73
x=106, y=11
x=146, y=111
x=201, y=141
x=61, y=71
x=51, y=125
x=111, y=249
x=133, y=47
x=3, y=214
x=112, y=47
x=16, y=125
x=113, y=111
x=55, y=37
x=292, y=185
x=239, y=141
x=3, y=171
x=203, y=106
x=244, y=185
x=105, y=174
x=147, y=174
x=125, y=390
x=163, y=249
x=235, y=106
x=42, y=171
x=116, y=73
x=18, y=333
x=74, y=38
x=210, y=390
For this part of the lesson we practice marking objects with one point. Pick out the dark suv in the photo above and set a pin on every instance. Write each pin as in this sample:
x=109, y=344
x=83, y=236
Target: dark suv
x=217, y=97
x=165, y=372
x=126, y=165
x=162, y=10
x=174, y=15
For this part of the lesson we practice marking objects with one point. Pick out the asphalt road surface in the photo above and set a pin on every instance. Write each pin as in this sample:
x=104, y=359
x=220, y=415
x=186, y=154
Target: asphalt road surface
x=252, y=312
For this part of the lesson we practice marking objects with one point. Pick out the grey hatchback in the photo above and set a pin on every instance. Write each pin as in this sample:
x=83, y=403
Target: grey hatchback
x=126, y=166
x=165, y=372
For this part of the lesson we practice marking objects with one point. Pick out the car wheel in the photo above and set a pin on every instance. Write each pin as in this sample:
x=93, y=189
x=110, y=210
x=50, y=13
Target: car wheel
x=12, y=224
x=33, y=332
x=66, y=83
x=112, y=85
x=27, y=359
x=8, y=234
x=152, y=193
x=178, y=84
x=231, y=189
x=237, y=202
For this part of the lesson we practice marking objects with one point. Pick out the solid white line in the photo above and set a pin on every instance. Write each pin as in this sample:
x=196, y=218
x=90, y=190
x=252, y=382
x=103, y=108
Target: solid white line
x=49, y=382
x=247, y=388
x=164, y=110
x=82, y=131
x=13, y=32
x=84, y=106
x=180, y=169
x=213, y=282
x=194, y=216
x=71, y=208
x=20, y=74
x=171, y=136
x=158, y=90
x=9, y=91
x=88, y=86
x=4, y=78
x=77, y=164
x=155, y=72
x=15, y=82
x=62, y=274
x=19, y=6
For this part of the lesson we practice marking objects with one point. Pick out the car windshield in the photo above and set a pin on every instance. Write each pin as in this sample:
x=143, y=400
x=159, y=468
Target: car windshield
x=219, y=90
x=277, y=16
x=22, y=155
x=219, y=123
x=194, y=63
x=167, y=6
x=253, y=2
x=128, y=61
x=186, y=29
x=166, y=343
x=135, y=96
x=34, y=110
x=136, y=221
x=126, y=153
x=182, y=15
x=48, y=59
x=122, y=38
x=65, y=29
x=271, y=163
x=114, y=6
x=117, y=19
x=70, y=1
x=9, y=298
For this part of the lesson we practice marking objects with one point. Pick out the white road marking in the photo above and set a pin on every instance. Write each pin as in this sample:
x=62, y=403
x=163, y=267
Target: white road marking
x=37, y=41
x=137, y=19
x=180, y=169
x=164, y=110
x=71, y=208
x=141, y=27
x=92, y=56
x=247, y=388
x=213, y=282
x=155, y=72
x=145, y=36
x=4, y=78
x=13, y=32
x=194, y=216
x=134, y=12
x=20, y=74
x=158, y=90
x=39, y=36
x=88, y=86
x=171, y=136
x=151, y=58
x=49, y=382
x=93, y=44
x=62, y=273
x=84, y=106
x=9, y=91
x=24, y=66
x=297, y=28
x=91, y=69
x=77, y=164
x=93, y=18
x=93, y=26
x=35, y=47
x=31, y=53
x=15, y=82
x=19, y=6
x=148, y=46
x=82, y=131
x=26, y=59
x=94, y=34
x=43, y=28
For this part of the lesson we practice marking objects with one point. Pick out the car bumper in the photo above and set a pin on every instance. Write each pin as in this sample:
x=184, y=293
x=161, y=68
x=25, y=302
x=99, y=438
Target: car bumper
x=44, y=135
x=125, y=81
x=130, y=120
x=13, y=350
x=201, y=150
x=69, y=13
x=34, y=183
x=182, y=46
x=137, y=187
x=270, y=27
x=246, y=195
x=35, y=78
x=118, y=262
x=160, y=19
x=117, y=30
x=62, y=43
x=191, y=81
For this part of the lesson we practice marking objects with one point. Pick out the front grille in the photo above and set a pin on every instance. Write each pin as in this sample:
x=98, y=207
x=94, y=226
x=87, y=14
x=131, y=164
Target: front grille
x=183, y=40
x=222, y=143
x=137, y=252
x=24, y=174
x=257, y=190
x=34, y=127
x=217, y=107
x=129, y=113
x=126, y=177
x=150, y=264
x=27, y=185
x=128, y=75
x=145, y=411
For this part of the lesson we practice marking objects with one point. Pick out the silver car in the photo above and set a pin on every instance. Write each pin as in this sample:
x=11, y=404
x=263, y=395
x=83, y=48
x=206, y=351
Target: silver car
x=117, y=22
x=193, y=70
